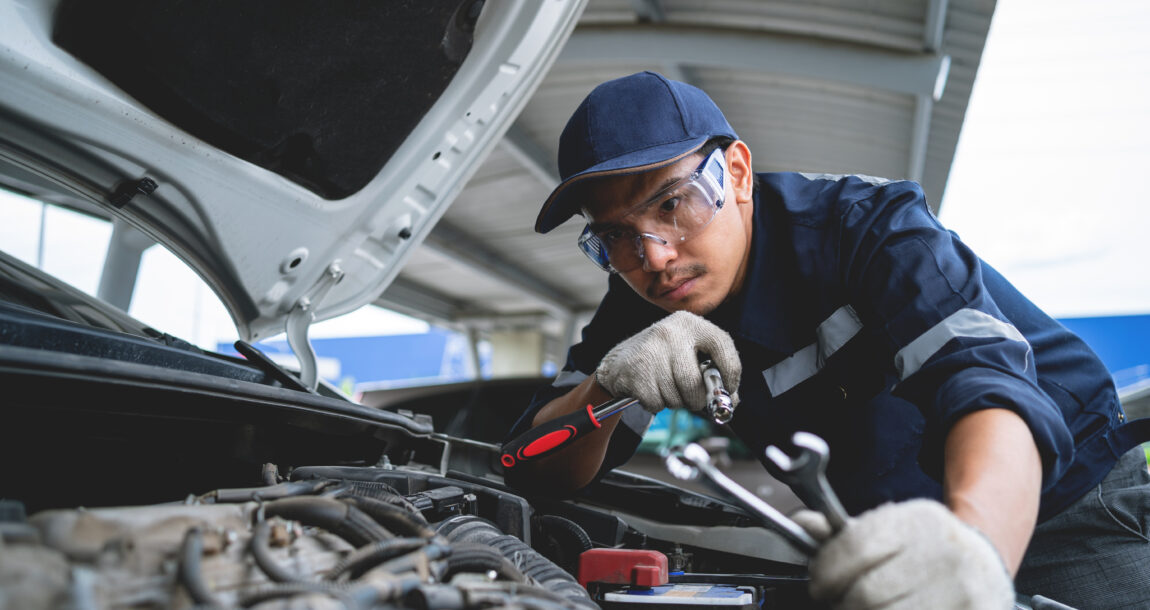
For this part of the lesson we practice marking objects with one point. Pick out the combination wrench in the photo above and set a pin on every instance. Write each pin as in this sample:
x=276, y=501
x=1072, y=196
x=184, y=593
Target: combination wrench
x=691, y=461
x=806, y=475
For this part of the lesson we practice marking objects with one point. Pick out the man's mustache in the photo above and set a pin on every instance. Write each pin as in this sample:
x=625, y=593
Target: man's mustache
x=674, y=276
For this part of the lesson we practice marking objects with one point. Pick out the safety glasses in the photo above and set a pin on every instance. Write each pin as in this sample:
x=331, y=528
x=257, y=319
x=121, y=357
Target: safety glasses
x=671, y=217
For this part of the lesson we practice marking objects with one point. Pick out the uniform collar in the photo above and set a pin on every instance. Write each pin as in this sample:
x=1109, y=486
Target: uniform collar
x=766, y=312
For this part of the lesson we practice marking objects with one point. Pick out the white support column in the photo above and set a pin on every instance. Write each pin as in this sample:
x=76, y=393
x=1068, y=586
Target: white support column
x=121, y=264
x=933, y=28
x=516, y=353
x=919, y=137
x=571, y=328
x=473, y=339
x=935, y=25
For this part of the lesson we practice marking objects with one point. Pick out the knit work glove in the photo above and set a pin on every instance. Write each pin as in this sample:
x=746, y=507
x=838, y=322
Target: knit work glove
x=660, y=367
x=913, y=554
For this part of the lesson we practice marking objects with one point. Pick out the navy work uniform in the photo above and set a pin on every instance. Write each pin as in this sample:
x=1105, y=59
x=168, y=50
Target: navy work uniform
x=864, y=321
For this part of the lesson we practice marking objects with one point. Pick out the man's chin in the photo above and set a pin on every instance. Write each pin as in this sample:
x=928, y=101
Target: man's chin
x=694, y=306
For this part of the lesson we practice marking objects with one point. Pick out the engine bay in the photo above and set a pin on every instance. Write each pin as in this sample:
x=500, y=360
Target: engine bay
x=388, y=536
x=141, y=472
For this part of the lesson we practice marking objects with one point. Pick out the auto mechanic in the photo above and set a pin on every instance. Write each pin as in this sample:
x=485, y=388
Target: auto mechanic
x=987, y=447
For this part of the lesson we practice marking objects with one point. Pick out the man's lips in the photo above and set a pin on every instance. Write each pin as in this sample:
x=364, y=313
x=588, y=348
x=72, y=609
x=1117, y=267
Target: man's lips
x=675, y=290
x=682, y=281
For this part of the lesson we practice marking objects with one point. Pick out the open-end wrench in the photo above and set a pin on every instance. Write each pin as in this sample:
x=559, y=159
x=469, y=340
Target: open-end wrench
x=691, y=461
x=806, y=474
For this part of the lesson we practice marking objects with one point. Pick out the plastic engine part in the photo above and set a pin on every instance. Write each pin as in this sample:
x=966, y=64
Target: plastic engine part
x=623, y=567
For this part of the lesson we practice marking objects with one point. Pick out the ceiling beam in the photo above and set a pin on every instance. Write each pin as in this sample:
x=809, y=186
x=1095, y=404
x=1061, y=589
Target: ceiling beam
x=465, y=249
x=911, y=73
x=419, y=301
x=426, y=303
x=651, y=11
x=529, y=320
x=530, y=154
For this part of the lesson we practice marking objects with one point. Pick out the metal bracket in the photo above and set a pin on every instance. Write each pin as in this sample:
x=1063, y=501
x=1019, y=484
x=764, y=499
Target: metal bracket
x=300, y=319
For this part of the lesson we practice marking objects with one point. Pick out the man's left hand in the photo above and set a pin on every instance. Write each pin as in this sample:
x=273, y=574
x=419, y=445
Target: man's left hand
x=913, y=554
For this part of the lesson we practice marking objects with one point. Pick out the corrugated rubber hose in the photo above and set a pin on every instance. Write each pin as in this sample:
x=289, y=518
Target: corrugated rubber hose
x=466, y=528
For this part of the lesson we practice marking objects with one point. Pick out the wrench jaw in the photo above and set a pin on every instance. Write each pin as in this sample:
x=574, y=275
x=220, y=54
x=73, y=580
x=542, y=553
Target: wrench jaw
x=781, y=461
x=693, y=461
x=680, y=469
x=814, y=443
x=805, y=474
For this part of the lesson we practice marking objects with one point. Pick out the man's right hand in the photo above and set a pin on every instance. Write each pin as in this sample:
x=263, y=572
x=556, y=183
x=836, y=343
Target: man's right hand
x=659, y=366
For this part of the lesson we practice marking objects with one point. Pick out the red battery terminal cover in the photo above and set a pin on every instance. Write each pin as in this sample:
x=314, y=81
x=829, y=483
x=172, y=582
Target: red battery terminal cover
x=623, y=567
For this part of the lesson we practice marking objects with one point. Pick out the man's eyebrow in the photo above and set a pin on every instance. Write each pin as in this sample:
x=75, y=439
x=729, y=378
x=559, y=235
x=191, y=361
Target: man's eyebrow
x=599, y=227
x=661, y=189
x=668, y=183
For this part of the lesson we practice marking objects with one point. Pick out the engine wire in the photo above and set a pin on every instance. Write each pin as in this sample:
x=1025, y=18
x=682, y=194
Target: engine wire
x=190, y=569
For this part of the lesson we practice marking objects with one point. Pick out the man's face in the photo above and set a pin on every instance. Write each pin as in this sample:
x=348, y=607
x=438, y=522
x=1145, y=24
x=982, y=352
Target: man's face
x=695, y=275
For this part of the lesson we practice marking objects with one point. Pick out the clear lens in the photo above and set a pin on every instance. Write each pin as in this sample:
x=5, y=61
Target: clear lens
x=670, y=218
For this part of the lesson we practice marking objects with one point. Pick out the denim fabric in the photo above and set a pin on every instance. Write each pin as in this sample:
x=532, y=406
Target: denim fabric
x=1096, y=553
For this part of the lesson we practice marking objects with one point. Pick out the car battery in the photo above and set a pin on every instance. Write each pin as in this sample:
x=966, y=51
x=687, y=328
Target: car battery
x=632, y=579
x=697, y=596
x=635, y=579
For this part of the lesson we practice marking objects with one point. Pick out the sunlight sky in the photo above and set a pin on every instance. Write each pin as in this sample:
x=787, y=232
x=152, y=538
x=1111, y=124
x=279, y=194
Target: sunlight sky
x=1047, y=183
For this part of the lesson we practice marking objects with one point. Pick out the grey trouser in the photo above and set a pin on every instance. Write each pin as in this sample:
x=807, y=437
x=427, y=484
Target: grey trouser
x=1096, y=553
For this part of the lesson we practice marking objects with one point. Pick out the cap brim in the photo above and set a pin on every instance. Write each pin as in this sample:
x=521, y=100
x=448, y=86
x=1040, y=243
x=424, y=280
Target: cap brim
x=561, y=205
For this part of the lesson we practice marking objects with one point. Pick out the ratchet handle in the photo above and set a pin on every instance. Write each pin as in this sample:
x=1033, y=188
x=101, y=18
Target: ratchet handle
x=548, y=437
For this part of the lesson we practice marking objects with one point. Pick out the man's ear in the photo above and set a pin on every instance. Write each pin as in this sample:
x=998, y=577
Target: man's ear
x=739, y=170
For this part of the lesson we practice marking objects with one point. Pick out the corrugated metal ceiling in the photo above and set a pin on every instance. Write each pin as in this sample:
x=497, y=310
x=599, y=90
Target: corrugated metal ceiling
x=836, y=86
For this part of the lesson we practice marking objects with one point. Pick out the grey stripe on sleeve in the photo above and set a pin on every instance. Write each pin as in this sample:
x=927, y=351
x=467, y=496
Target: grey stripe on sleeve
x=568, y=379
x=962, y=323
x=830, y=336
x=836, y=177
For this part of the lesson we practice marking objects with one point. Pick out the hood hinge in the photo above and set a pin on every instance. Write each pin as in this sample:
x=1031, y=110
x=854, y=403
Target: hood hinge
x=300, y=319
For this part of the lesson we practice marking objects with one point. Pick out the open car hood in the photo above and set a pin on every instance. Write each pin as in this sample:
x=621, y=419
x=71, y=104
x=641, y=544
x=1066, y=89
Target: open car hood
x=292, y=153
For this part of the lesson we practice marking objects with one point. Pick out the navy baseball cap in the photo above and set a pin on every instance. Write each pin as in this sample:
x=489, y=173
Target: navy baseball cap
x=629, y=125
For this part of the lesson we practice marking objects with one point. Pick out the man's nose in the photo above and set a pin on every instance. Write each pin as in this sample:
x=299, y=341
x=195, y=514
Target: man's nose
x=655, y=252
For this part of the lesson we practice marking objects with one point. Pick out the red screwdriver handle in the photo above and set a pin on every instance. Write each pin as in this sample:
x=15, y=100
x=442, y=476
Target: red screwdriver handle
x=548, y=437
